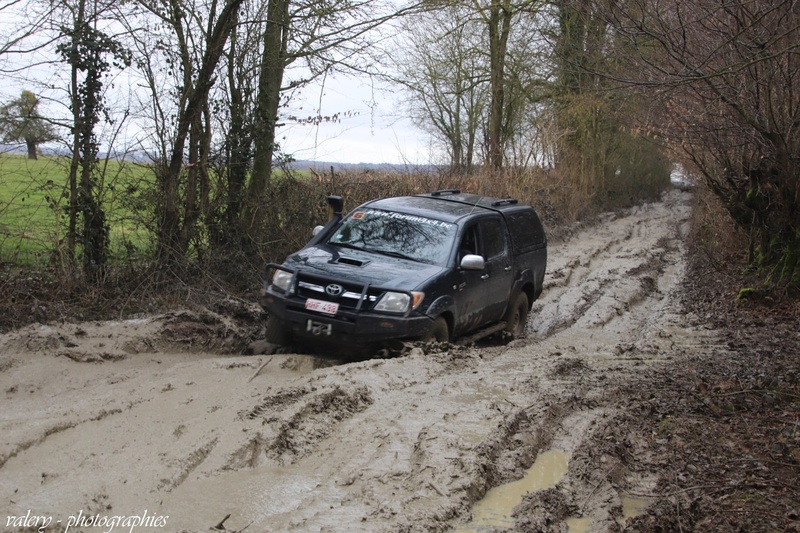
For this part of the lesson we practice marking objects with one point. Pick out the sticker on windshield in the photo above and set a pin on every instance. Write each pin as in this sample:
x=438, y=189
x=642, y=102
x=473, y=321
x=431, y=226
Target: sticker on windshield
x=358, y=215
x=403, y=216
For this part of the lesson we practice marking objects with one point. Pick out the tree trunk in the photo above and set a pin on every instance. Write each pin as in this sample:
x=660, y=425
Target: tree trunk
x=95, y=232
x=273, y=63
x=499, y=28
x=239, y=149
x=31, y=149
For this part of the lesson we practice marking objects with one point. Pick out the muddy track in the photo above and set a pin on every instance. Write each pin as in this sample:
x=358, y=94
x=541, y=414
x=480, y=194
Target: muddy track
x=130, y=416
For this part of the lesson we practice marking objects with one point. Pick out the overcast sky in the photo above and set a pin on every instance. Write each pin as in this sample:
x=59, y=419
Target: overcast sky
x=372, y=126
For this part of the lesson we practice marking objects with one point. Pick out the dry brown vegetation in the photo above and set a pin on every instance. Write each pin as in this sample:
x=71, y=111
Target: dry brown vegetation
x=726, y=426
x=296, y=204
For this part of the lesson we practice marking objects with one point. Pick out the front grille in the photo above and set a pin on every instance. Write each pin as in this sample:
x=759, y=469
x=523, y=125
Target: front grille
x=348, y=297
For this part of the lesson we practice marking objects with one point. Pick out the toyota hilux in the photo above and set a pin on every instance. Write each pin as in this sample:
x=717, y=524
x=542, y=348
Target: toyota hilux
x=435, y=267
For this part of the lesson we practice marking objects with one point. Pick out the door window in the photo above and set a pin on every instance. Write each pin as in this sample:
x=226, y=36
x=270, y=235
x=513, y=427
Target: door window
x=494, y=238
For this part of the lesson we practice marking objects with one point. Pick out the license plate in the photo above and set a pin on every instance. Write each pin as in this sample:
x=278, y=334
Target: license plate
x=321, y=306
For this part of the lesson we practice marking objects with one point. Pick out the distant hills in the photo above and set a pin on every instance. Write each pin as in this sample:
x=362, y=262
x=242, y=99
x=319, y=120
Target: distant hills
x=324, y=167
x=320, y=167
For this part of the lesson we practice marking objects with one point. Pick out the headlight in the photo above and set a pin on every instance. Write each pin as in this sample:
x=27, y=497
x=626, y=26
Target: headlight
x=399, y=302
x=282, y=280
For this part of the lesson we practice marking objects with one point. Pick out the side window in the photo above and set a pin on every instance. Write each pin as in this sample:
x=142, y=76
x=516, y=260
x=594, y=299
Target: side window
x=526, y=230
x=494, y=238
x=469, y=242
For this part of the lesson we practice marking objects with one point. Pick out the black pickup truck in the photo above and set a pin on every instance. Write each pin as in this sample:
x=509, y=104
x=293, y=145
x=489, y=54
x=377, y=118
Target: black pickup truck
x=433, y=267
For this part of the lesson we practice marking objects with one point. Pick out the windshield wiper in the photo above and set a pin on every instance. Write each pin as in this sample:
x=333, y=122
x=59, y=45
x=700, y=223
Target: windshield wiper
x=348, y=245
x=392, y=253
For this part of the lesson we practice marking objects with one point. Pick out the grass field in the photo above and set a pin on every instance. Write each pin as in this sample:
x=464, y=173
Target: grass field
x=34, y=202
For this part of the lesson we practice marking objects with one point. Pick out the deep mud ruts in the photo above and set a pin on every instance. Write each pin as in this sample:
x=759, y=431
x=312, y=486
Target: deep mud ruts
x=122, y=417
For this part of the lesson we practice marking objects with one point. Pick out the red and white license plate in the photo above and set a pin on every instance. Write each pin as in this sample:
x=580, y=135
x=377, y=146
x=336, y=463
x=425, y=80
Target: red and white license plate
x=321, y=306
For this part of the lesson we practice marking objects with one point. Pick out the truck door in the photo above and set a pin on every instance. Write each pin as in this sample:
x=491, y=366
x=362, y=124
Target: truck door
x=483, y=294
x=498, y=276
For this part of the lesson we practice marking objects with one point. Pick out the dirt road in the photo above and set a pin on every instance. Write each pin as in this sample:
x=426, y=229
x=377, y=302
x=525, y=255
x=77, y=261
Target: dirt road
x=157, y=418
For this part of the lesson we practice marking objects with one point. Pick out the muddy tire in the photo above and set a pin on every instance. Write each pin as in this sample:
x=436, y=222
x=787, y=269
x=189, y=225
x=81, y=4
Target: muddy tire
x=276, y=331
x=439, y=332
x=517, y=316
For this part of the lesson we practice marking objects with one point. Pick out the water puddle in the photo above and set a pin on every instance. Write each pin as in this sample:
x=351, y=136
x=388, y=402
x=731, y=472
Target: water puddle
x=494, y=510
x=632, y=506
x=578, y=525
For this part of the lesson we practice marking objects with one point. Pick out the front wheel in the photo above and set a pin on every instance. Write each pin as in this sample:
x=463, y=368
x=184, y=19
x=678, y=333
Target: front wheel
x=276, y=331
x=439, y=332
x=517, y=316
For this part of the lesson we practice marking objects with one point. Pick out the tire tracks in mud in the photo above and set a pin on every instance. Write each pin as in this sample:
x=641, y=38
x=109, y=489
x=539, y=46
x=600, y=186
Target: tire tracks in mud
x=605, y=316
x=54, y=429
x=411, y=443
x=610, y=302
x=608, y=265
x=431, y=445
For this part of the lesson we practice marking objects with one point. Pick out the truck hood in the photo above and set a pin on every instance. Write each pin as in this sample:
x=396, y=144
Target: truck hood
x=362, y=267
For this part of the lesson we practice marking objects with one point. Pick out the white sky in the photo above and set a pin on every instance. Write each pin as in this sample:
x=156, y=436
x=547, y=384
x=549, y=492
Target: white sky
x=372, y=126
x=371, y=129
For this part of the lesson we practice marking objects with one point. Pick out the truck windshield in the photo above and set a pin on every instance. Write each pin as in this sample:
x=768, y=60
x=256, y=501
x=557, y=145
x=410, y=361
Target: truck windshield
x=397, y=234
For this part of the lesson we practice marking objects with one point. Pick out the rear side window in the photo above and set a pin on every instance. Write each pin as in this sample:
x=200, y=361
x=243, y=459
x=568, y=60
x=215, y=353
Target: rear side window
x=494, y=239
x=526, y=229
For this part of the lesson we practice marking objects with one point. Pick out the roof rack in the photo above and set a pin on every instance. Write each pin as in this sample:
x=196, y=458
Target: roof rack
x=444, y=192
x=507, y=201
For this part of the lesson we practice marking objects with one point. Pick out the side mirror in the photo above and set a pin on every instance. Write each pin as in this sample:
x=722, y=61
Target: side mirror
x=316, y=230
x=473, y=262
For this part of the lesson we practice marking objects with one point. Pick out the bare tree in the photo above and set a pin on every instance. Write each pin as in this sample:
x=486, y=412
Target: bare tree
x=499, y=16
x=217, y=74
x=325, y=36
x=28, y=24
x=236, y=122
x=471, y=68
x=443, y=67
x=90, y=53
x=192, y=47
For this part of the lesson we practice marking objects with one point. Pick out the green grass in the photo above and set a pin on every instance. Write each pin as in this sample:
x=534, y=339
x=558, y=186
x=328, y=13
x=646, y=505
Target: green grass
x=34, y=201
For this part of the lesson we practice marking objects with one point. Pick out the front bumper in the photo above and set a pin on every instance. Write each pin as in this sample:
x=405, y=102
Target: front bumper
x=347, y=327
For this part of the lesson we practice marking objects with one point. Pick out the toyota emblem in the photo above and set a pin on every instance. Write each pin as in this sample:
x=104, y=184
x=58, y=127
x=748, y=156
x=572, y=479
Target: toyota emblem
x=334, y=290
